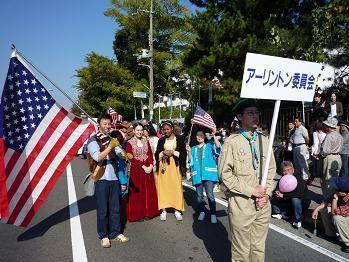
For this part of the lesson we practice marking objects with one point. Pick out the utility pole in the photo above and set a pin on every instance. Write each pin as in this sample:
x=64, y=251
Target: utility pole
x=151, y=73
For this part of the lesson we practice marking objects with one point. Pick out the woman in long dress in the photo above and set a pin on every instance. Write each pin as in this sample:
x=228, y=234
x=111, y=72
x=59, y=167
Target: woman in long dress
x=170, y=156
x=142, y=201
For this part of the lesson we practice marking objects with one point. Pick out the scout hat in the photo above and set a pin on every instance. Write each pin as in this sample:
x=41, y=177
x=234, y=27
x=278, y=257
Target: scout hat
x=331, y=122
x=244, y=103
x=339, y=183
x=344, y=123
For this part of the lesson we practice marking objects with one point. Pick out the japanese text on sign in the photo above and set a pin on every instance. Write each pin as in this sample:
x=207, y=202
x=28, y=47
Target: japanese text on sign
x=269, y=77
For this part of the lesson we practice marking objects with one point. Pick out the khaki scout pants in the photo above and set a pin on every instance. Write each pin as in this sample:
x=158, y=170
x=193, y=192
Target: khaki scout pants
x=249, y=229
x=332, y=166
x=331, y=223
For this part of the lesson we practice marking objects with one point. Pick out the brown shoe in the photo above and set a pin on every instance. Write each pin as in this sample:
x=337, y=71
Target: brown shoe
x=120, y=238
x=105, y=242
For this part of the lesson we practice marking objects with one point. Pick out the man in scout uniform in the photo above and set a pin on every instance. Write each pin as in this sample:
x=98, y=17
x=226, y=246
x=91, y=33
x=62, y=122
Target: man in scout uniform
x=241, y=167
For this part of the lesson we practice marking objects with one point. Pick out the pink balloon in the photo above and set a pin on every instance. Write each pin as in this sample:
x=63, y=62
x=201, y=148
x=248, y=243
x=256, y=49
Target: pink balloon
x=287, y=183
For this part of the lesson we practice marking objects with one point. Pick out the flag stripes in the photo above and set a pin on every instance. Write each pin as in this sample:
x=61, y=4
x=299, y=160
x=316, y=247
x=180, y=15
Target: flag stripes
x=33, y=174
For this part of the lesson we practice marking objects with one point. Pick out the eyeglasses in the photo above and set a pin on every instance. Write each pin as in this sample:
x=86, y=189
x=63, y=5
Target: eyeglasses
x=252, y=113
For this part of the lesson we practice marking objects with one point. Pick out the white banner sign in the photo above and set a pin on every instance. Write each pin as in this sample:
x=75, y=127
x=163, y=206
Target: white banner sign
x=140, y=94
x=276, y=78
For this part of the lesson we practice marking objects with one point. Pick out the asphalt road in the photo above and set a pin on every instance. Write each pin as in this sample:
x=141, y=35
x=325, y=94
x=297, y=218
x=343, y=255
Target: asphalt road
x=50, y=236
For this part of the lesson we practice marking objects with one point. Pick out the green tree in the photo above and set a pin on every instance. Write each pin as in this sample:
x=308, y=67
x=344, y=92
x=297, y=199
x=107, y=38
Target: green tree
x=171, y=34
x=227, y=30
x=103, y=82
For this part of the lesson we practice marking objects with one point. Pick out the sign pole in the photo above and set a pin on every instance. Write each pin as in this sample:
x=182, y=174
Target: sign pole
x=271, y=140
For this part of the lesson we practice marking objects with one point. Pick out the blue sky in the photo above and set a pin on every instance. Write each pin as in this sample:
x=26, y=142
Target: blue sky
x=56, y=36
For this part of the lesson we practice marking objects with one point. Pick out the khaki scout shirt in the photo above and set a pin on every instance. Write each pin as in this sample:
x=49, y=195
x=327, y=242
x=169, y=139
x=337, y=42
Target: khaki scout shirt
x=236, y=168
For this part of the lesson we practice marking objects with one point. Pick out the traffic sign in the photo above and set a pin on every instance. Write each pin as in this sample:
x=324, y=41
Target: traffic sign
x=140, y=94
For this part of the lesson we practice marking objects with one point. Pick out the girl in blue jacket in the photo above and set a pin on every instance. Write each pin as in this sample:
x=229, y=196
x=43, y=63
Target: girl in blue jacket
x=202, y=161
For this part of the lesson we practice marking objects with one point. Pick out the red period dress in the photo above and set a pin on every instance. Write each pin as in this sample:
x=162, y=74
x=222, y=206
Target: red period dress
x=143, y=200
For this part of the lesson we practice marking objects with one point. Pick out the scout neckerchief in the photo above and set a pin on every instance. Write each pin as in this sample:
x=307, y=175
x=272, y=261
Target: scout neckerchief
x=252, y=139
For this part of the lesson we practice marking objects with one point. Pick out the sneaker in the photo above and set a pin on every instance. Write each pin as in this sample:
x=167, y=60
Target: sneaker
x=213, y=219
x=276, y=216
x=305, y=177
x=163, y=216
x=201, y=216
x=216, y=188
x=178, y=215
x=120, y=238
x=105, y=242
x=297, y=224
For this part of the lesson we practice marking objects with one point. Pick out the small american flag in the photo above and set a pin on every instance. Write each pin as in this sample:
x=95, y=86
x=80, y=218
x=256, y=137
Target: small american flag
x=201, y=117
x=116, y=118
x=40, y=139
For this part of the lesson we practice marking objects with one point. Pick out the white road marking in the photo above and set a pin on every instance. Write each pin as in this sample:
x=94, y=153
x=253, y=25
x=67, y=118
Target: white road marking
x=77, y=239
x=289, y=234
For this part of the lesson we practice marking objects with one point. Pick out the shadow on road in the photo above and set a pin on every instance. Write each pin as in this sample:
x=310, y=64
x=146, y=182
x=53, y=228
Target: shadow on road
x=214, y=236
x=85, y=205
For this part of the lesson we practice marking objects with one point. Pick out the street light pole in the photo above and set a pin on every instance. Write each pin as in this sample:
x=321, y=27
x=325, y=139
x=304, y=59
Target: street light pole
x=151, y=73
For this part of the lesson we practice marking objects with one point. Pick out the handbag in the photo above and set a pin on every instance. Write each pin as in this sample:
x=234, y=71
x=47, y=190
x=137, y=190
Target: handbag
x=89, y=185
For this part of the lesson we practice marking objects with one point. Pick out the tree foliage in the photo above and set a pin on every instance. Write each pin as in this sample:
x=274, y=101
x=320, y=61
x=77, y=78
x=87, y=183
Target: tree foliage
x=103, y=82
x=171, y=34
x=227, y=30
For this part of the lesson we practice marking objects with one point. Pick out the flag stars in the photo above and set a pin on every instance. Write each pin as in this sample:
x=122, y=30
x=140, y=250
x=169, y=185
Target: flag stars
x=18, y=83
x=43, y=90
x=7, y=117
x=40, y=116
x=33, y=81
x=19, y=92
x=20, y=101
x=35, y=90
x=17, y=130
x=31, y=117
x=26, y=82
x=11, y=141
x=22, y=110
x=24, y=73
x=26, y=135
x=25, y=127
x=6, y=107
x=14, y=113
x=13, y=105
x=8, y=125
x=29, y=100
x=37, y=99
x=27, y=91
x=11, y=87
x=32, y=125
x=23, y=118
x=30, y=108
x=38, y=107
x=44, y=98
x=19, y=138
x=10, y=77
x=10, y=133
x=14, y=64
x=46, y=106
x=20, y=146
x=16, y=75
x=15, y=121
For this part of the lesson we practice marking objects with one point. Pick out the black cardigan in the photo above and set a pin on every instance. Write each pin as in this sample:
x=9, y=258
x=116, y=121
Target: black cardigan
x=181, y=160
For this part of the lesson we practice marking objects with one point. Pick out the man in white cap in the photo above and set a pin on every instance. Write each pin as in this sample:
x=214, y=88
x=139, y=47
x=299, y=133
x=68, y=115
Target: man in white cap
x=330, y=149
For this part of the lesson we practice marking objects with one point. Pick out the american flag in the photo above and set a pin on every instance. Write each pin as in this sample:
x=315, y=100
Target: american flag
x=201, y=117
x=117, y=118
x=40, y=140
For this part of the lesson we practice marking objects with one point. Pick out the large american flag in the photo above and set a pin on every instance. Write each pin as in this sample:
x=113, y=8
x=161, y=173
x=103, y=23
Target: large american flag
x=40, y=140
x=201, y=117
x=117, y=118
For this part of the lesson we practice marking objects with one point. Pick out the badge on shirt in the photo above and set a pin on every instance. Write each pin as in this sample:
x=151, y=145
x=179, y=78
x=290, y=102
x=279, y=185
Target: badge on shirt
x=241, y=151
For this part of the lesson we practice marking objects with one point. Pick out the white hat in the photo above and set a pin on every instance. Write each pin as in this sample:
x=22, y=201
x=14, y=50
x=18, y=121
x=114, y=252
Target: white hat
x=331, y=122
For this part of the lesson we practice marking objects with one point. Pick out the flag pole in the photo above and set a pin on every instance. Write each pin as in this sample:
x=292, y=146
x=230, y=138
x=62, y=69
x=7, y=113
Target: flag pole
x=191, y=128
x=13, y=47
